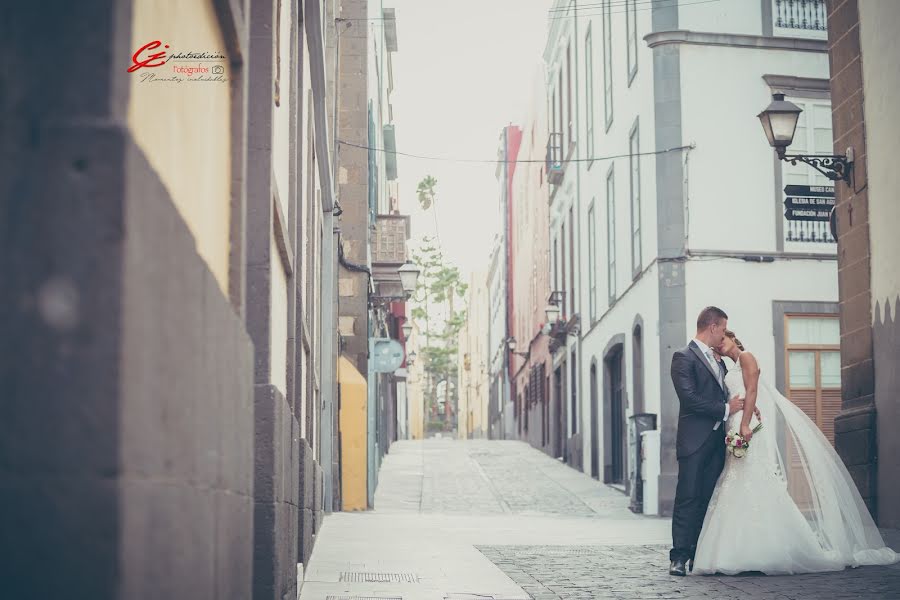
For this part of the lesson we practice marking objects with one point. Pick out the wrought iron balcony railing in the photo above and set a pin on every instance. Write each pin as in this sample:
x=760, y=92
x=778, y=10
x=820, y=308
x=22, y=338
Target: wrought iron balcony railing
x=816, y=232
x=799, y=16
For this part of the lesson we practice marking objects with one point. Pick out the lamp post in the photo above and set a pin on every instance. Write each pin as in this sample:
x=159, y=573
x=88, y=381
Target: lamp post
x=409, y=275
x=552, y=313
x=407, y=329
x=779, y=121
x=512, y=344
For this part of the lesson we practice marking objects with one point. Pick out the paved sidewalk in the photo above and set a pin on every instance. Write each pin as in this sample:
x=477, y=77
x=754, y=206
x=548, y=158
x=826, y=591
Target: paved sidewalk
x=464, y=520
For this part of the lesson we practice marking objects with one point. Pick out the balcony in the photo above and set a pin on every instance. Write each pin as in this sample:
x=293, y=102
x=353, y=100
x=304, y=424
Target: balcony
x=554, y=161
x=800, y=18
x=809, y=232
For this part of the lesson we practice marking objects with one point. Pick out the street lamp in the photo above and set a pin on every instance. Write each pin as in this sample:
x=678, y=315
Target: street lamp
x=779, y=121
x=511, y=345
x=409, y=275
x=407, y=329
x=411, y=357
x=552, y=312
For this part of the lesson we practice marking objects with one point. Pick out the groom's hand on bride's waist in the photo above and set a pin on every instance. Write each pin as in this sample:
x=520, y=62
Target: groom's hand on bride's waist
x=735, y=404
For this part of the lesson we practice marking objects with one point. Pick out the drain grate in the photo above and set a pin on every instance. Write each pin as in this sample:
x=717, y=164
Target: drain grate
x=363, y=598
x=370, y=577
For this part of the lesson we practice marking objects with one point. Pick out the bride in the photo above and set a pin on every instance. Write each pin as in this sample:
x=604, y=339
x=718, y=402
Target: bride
x=789, y=505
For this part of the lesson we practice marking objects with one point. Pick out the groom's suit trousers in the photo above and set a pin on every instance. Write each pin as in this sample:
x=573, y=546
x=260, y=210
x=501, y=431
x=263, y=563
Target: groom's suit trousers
x=697, y=477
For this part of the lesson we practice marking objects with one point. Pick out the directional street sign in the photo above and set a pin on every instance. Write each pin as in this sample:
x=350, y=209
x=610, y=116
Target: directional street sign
x=819, y=191
x=808, y=202
x=808, y=214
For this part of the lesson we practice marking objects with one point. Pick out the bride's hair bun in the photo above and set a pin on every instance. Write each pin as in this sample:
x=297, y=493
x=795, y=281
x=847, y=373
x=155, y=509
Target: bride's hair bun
x=737, y=342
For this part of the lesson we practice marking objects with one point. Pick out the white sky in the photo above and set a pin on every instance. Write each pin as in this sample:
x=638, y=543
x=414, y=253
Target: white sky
x=463, y=71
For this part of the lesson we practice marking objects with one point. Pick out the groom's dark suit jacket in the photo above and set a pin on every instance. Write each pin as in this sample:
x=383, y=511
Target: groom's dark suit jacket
x=702, y=399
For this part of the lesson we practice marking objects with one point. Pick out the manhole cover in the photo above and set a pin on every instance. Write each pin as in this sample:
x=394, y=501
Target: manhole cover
x=370, y=577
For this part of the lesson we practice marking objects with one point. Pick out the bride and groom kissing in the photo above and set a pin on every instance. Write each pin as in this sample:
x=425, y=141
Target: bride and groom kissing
x=787, y=505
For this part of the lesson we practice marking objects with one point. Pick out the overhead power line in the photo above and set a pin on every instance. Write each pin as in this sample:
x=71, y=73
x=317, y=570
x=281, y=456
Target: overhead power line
x=577, y=12
x=612, y=3
x=495, y=161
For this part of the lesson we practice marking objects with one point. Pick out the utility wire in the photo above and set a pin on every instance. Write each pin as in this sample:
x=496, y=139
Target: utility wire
x=611, y=3
x=577, y=11
x=495, y=161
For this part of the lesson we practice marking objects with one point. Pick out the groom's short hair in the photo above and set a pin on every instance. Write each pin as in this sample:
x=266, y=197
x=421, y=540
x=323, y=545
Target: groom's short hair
x=710, y=316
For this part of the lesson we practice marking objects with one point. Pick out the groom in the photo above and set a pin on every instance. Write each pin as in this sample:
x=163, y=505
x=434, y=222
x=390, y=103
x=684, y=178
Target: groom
x=700, y=446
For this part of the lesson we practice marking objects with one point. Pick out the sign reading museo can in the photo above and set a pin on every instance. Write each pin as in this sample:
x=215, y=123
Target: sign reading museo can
x=819, y=191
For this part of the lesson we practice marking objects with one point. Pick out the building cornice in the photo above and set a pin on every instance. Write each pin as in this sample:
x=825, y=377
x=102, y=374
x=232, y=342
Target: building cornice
x=808, y=87
x=734, y=40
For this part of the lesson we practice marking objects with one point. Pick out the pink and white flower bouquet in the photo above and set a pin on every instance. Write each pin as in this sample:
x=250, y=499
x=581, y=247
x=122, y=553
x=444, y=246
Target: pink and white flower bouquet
x=736, y=445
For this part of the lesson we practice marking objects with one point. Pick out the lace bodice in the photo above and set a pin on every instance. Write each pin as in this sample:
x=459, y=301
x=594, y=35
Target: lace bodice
x=734, y=381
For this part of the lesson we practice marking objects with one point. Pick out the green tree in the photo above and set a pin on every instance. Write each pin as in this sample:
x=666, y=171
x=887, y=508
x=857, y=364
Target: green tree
x=439, y=285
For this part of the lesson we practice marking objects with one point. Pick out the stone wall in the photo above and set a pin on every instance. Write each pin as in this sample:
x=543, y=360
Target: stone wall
x=855, y=425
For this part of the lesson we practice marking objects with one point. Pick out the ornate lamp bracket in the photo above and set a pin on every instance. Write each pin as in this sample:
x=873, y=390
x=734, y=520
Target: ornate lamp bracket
x=834, y=167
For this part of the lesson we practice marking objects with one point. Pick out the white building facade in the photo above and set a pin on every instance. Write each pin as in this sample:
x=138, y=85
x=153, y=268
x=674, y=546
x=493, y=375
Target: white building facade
x=676, y=203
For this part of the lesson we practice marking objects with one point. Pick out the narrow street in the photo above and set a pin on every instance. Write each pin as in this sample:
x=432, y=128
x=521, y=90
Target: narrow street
x=494, y=519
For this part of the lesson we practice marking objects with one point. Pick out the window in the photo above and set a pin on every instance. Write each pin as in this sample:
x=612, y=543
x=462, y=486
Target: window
x=555, y=264
x=611, y=234
x=570, y=124
x=571, y=263
x=607, y=65
x=634, y=163
x=592, y=263
x=637, y=366
x=589, y=90
x=573, y=394
x=562, y=118
x=553, y=118
x=631, y=18
x=562, y=276
x=813, y=369
x=812, y=136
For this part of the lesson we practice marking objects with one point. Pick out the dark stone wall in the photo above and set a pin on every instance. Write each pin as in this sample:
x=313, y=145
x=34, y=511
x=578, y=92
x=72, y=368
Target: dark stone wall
x=886, y=341
x=353, y=181
x=276, y=511
x=855, y=431
x=185, y=404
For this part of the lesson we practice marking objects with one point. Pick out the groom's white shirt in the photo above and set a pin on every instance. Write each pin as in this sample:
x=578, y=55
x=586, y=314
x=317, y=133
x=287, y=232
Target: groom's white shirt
x=707, y=352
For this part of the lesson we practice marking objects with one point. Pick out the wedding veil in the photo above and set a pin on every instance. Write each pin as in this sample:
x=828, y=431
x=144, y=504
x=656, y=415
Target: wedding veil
x=819, y=483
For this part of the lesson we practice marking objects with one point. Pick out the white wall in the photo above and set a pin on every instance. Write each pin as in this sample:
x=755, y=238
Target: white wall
x=731, y=172
x=723, y=16
x=746, y=290
x=643, y=300
x=880, y=45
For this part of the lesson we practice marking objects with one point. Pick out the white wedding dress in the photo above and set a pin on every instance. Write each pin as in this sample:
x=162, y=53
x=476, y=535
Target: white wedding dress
x=788, y=506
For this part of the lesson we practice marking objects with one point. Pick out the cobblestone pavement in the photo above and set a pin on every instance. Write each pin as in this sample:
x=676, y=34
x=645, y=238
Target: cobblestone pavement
x=489, y=477
x=499, y=520
x=637, y=572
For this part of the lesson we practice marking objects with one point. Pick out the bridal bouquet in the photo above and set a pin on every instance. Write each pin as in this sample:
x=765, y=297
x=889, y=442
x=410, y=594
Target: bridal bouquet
x=736, y=445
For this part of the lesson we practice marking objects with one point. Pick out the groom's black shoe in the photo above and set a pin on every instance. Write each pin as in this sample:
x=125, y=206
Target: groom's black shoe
x=677, y=568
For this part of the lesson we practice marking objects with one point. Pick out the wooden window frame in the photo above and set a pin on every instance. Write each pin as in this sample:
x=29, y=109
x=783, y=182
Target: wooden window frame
x=817, y=349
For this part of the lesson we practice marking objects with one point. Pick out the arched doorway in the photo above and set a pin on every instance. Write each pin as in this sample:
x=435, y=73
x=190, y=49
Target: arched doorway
x=615, y=436
x=595, y=423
